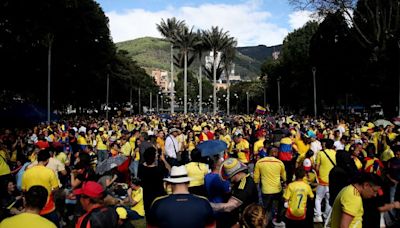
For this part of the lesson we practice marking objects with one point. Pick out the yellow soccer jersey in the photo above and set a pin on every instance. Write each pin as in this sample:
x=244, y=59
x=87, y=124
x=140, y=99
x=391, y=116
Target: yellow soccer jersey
x=350, y=202
x=270, y=171
x=325, y=165
x=296, y=194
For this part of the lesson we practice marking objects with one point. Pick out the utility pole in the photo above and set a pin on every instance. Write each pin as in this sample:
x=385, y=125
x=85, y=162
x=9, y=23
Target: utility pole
x=247, y=98
x=108, y=93
x=130, y=97
x=279, y=95
x=314, y=70
x=140, y=103
x=50, y=40
x=151, y=101
x=157, y=108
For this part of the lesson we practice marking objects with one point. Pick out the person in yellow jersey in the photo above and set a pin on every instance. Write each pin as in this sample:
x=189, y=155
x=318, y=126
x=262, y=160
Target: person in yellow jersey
x=135, y=200
x=81, y=140
x=102, y=149
x=197, y=170
x=161, y=141
x=347, y=210
x=302, y=143
x=295, y=197
x=326, y=160
x=35, y=200
x=241, y=149
x=43, y=176
x=270, y=172
x=259, y=144
x=4, y=169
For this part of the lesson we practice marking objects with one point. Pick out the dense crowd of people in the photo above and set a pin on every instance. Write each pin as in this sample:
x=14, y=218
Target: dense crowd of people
x=276, y=171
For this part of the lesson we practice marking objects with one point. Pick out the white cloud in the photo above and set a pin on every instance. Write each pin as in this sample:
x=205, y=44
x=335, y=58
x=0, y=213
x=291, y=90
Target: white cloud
x=299, y=18
x=244, y=21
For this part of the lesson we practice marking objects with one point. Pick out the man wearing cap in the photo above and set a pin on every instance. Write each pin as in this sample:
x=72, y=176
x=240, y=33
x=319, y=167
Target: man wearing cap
x=172, y=147
x=180, y=209
x=97, y=215
x=244, y=190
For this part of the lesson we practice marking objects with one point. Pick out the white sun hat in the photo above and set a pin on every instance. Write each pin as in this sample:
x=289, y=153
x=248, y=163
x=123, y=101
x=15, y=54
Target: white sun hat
x=178, y=175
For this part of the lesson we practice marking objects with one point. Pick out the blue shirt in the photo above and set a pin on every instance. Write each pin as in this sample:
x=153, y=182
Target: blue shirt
x=216, y=188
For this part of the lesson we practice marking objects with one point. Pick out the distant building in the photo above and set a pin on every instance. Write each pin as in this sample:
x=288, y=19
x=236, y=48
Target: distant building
x=161, y=78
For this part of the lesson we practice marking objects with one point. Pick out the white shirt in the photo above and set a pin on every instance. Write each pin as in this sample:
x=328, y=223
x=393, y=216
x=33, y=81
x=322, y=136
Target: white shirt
x=316, y=146
x=171, y=146
x=338, y=145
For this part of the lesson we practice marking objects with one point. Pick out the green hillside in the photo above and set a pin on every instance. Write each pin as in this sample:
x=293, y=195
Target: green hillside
x=148, y=52
x=151, y=53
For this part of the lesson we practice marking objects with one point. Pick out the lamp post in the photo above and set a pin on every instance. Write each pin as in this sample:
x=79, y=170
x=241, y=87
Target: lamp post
x=50, y=40
x=247, y=98
x=151, y=101
x=130, y=97
x=157, y=102
x=265, y=89
x=279, y=94
x=314, y=70
x=158, y=94
x=162, y=103
x=237, y=102
x=139, y=103
x=108, y=93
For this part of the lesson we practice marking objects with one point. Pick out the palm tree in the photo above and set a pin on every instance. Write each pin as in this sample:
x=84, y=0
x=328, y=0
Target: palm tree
x=185, y=41
x=168, y=30
x=228, y=55
x=215, y=40
x=199, y=49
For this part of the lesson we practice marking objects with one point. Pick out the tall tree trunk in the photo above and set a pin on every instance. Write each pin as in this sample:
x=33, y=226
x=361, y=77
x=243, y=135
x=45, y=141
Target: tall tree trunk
x=172, y=80
x=228, y=85
x=185, y=84
x=215, y=84
x=200, y=90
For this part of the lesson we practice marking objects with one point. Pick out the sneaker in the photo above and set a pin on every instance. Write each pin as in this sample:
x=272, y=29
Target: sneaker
x=318, y=219
x=276, y=224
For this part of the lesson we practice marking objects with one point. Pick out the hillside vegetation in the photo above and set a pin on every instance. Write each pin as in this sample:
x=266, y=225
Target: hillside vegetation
x=154, y=53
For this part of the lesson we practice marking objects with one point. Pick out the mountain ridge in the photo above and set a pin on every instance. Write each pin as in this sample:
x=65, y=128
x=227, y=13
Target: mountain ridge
x=154, y=53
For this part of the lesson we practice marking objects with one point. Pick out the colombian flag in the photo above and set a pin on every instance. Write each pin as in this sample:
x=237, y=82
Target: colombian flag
x=260, y=110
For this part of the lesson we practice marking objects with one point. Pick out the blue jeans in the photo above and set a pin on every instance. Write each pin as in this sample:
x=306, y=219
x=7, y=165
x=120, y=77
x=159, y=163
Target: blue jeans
x=102, y=155
x=133, y=215
x=133, y=168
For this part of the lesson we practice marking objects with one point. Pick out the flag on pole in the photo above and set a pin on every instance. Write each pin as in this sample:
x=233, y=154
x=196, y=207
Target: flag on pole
x=260, y=110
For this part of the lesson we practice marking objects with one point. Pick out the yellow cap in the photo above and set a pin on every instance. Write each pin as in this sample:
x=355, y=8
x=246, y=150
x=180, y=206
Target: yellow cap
x=364, y=129
x=122, y=213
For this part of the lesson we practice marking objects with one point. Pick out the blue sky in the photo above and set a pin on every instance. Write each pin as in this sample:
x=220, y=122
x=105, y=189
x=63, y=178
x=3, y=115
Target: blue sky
x=252, y=22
